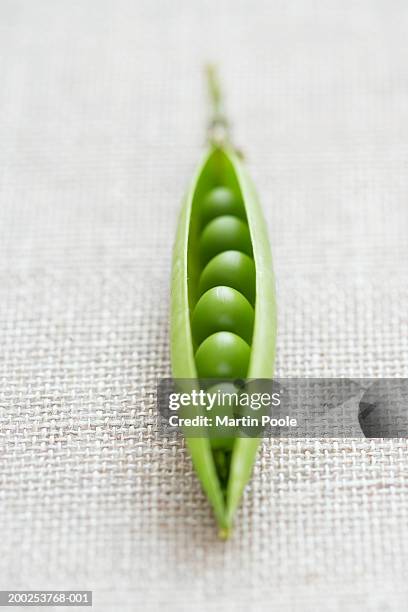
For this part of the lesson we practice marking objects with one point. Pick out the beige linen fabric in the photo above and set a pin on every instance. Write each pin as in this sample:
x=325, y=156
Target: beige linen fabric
x=102, y=113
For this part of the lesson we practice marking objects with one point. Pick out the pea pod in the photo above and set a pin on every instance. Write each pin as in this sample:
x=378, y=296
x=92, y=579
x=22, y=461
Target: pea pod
x=223, y=314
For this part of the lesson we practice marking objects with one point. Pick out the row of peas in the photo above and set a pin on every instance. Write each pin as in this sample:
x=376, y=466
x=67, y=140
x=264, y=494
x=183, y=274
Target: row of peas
x=223, y=318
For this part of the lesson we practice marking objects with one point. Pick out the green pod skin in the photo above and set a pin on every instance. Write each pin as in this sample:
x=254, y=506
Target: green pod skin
x=223, y=469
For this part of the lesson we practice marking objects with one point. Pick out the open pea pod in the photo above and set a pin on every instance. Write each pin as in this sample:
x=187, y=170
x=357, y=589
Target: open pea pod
x=223, y=313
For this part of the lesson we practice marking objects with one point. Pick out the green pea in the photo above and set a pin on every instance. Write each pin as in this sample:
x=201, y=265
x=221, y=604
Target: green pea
x=223, y=355
x=230, y=268
x=221, y=201
x=224, y=233
x=222, y=309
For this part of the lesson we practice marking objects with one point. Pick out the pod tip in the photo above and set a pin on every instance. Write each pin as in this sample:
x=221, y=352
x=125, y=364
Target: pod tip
x=224, y=533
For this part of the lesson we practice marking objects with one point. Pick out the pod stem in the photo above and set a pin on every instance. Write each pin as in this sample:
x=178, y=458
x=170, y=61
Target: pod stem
x=218, y=127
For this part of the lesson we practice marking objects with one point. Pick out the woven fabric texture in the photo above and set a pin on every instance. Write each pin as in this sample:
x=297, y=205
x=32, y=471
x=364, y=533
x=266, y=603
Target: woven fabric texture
x=102, y=115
